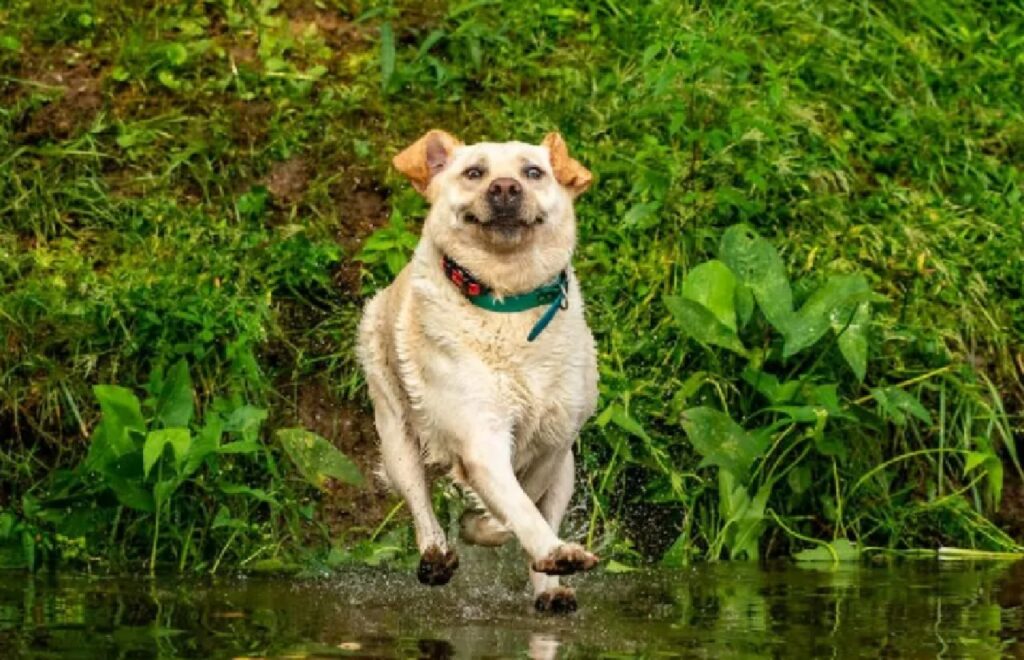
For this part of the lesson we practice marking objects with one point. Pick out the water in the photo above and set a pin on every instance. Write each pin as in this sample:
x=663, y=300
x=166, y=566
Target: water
x=916, y=609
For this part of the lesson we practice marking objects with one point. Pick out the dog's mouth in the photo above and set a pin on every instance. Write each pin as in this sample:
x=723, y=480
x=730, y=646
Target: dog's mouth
x=505, y=222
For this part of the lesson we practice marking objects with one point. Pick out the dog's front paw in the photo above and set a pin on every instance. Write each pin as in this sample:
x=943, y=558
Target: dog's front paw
x=566, y=559
x=560, y=600
x=436, y=567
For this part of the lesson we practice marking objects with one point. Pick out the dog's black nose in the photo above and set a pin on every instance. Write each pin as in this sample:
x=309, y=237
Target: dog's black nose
x=505, y=193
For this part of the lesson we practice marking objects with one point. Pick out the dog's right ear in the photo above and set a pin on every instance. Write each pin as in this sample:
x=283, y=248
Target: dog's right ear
x=426, y=157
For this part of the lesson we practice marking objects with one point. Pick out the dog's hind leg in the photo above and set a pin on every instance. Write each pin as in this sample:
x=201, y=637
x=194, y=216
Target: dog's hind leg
x=479, y=527
x=403, y=465
x=550, y=596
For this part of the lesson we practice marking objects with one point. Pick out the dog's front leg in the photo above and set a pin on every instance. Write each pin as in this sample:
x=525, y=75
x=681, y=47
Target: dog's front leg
x=552, y=484
x=403, y=464
x=487, y=466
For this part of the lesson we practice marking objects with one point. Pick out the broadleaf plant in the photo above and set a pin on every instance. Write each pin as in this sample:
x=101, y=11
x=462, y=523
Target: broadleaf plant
x=769, y=457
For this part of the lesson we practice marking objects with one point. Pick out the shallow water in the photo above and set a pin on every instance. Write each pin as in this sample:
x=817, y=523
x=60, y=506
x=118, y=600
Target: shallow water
x=917, y=609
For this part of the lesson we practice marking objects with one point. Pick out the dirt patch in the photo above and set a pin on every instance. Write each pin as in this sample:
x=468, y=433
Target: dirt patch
x=245, y=55
x=418, y=19
x=1010, y=517
x=77, y=81
x=251, y=123
x=288, y=180
x=336, y=29
x=362, y=209
x=350, y=428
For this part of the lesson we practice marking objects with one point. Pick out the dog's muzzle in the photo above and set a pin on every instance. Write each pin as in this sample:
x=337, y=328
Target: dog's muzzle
x=505, y=196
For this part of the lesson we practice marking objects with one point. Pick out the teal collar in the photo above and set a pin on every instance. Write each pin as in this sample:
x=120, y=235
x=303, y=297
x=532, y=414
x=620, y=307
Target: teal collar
x=554, y=294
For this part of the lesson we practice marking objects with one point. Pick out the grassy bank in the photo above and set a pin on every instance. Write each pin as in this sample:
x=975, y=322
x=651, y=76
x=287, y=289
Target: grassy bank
x=208, y=184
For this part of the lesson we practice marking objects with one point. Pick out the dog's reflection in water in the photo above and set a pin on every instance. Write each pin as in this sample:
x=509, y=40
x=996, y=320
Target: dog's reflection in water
x=543, y=646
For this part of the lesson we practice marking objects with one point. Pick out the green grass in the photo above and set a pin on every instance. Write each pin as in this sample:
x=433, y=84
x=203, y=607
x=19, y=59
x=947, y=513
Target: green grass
x=195, y=179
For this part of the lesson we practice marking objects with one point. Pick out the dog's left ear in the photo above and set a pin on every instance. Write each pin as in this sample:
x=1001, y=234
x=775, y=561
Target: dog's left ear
x=426, y=157
x=567, y=169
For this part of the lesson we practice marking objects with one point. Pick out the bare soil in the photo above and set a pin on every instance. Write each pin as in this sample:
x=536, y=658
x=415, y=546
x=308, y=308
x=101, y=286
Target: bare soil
x=350, y=428
x=363, y=207
x=76, y=82
x=1010, y=516
x=288, y=180
x=338, y=32
x=252, y=123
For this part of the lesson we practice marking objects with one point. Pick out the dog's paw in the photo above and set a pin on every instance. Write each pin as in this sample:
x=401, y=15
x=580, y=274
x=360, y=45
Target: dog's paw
x=566, y=559
x=436, y=567
x=560, y=600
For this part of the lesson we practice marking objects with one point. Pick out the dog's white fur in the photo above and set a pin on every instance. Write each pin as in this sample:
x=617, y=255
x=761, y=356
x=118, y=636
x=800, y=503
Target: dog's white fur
x=459, y=387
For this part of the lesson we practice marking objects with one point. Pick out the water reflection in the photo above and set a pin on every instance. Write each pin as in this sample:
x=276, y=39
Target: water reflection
x=920, y=608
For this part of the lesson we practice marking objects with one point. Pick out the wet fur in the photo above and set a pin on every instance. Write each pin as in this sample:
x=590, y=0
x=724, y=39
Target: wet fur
x=457, y=388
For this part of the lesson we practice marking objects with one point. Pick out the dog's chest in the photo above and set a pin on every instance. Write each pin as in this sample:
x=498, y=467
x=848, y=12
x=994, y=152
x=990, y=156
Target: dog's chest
x=530, y=375
x=490, y=366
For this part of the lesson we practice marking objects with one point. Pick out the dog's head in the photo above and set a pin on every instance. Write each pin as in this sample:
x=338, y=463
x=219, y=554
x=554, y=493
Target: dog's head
x=496, y=197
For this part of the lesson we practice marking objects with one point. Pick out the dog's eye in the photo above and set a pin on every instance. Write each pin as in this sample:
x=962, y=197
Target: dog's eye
x=533, y=172
x=473, y=173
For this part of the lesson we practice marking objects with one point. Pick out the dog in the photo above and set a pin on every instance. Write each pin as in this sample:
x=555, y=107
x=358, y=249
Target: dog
x=478, y=358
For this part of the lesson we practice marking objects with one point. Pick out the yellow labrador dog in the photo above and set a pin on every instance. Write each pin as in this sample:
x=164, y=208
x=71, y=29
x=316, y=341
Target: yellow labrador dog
x=478, y=357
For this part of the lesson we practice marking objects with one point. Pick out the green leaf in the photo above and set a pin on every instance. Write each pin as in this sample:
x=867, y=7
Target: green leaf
x=168, y=79
x=744, y=304
x=894, y=402
x=744, y=515
x=9, y=42
x=827, y=396
x=225, y=519
x=757, y=264
x=815, y=317
x=853, y=338
x=387, y=54
x=699, y=323
x=240, y=447
x=176, y=54
x=395, y=261
x=130, y=492
x=840, y=550
x=678, y=554
x=622, y=419
x=713, y=286
x=317, y=459
x=273, y=566
x=641, y=214
x=993, y=474
x=829, y=445
x=28, y=545
x=768, y=385
x=179, y=439
x=993, y=482
x=805, y=414
x=799, y=479
x=255, y=493
x=162, y=490
x=617, y=567
x=245, y=420
x=174, y=406
x=122, y=415
x=206, y=443
x=723, y=442
x=253, y=203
